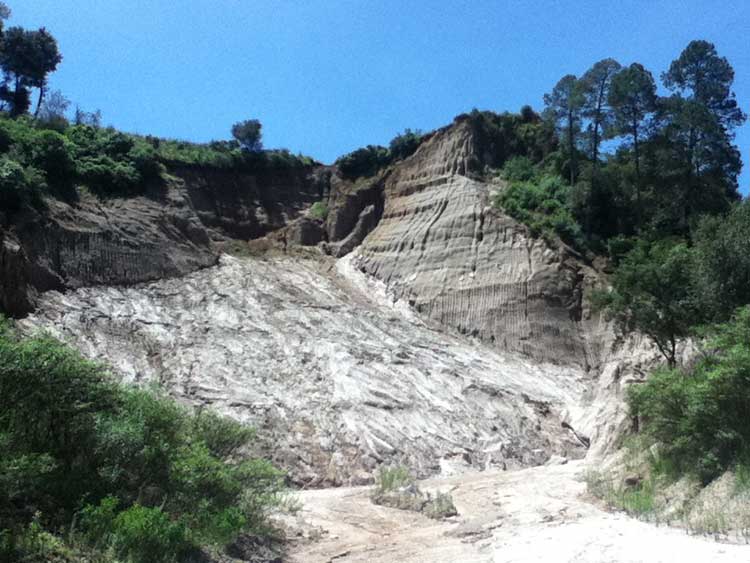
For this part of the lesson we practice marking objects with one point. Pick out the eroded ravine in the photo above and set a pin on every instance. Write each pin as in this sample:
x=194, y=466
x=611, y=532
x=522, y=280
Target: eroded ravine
x=340, y=379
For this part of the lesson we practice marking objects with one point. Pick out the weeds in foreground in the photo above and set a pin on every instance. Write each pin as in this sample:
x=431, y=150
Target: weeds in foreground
x=396, y=487
x=636, y=500
x=390, y=479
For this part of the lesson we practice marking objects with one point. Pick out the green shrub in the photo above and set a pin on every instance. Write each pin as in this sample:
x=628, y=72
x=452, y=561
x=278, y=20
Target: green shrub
x=98, y=522
x=146, y=161
x=53, y=154
x=506, y=135
x=148, y=535
x=223, y=436
x=152, y=478
x=440, y=506
x=396, y=487
x=17, y=186
x=390, y=479
x=723, y=262
x=543, y=205
x=363, y=162
x=518, y=169
x=105, y=176
x=638, y=500
x=652, y=292
x=699, y=415
x=405, y=144
x=319, y=210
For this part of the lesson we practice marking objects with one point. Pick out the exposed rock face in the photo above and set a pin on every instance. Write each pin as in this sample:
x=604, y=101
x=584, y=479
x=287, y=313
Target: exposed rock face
x=366, y=222
x=347, y=202
x=119, y=241
x=305, y=231
x=168, y=233
x=17, y=297
x=247, y=206
x=335, y=377
x=441, y=246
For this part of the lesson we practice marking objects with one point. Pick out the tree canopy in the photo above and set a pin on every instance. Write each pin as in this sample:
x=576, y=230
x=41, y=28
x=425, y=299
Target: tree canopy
x=248, y=134
x=26, y=57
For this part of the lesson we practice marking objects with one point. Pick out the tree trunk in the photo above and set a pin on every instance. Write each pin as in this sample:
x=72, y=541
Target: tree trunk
x=595, y=155
x=637, y=175
x=672, y=360
x=571, y=148
x=39, y=101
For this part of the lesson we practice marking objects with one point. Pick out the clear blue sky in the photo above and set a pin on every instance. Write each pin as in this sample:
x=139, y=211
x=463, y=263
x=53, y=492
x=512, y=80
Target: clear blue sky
x=328, y=76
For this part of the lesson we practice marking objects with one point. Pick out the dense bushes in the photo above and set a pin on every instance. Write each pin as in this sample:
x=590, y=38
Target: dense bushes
x=367, y=161
x=699, y=415
x=404, y=144
x=541, y=202
x=653, y=293
x=224, y=154
x=672, y=289
x=722, y=247
x=17, y=185
x=104, y=160
x=124, y=470
x=501, y=136
x=667, y=287
x=363, y=162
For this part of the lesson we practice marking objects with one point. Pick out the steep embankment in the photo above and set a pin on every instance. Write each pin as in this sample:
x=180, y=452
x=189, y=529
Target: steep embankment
x=443, y=247
x=168, y=232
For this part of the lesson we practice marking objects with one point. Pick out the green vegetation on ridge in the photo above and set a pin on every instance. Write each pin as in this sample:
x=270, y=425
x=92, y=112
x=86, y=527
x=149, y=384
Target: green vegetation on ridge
x=367, y=161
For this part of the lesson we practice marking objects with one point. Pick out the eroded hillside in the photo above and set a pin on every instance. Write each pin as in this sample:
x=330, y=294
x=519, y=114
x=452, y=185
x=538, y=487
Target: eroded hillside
x=489, y=357
x=337, y=379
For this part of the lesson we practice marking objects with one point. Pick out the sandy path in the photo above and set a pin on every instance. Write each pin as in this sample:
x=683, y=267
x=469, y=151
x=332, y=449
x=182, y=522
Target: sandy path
x=532, y=515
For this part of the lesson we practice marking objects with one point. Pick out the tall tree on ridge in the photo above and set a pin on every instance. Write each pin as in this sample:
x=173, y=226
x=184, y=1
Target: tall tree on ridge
x=701, y=117
x=563, y=107
x=632, y=97
x=703, y=76
x=595, y=86
x=27, y=58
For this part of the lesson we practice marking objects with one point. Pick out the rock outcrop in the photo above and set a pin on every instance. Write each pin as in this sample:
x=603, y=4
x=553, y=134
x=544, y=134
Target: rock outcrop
x=17, y=294
x=169, y=232
x=247, y=206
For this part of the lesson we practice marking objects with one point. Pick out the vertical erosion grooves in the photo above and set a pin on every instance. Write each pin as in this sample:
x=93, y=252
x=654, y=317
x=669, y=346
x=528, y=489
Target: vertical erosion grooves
x=17, y=294
x=467, y=266
x=249, y=205
x=126, y=240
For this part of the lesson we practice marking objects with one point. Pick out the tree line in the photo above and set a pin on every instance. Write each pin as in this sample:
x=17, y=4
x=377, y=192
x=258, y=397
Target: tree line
x=674, y=158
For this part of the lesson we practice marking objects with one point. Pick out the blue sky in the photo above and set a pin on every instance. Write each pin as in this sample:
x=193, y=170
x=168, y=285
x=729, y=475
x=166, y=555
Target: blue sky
x=328, y=76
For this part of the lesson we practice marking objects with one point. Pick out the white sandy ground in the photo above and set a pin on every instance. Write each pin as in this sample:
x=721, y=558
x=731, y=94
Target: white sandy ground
x=540, y=514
